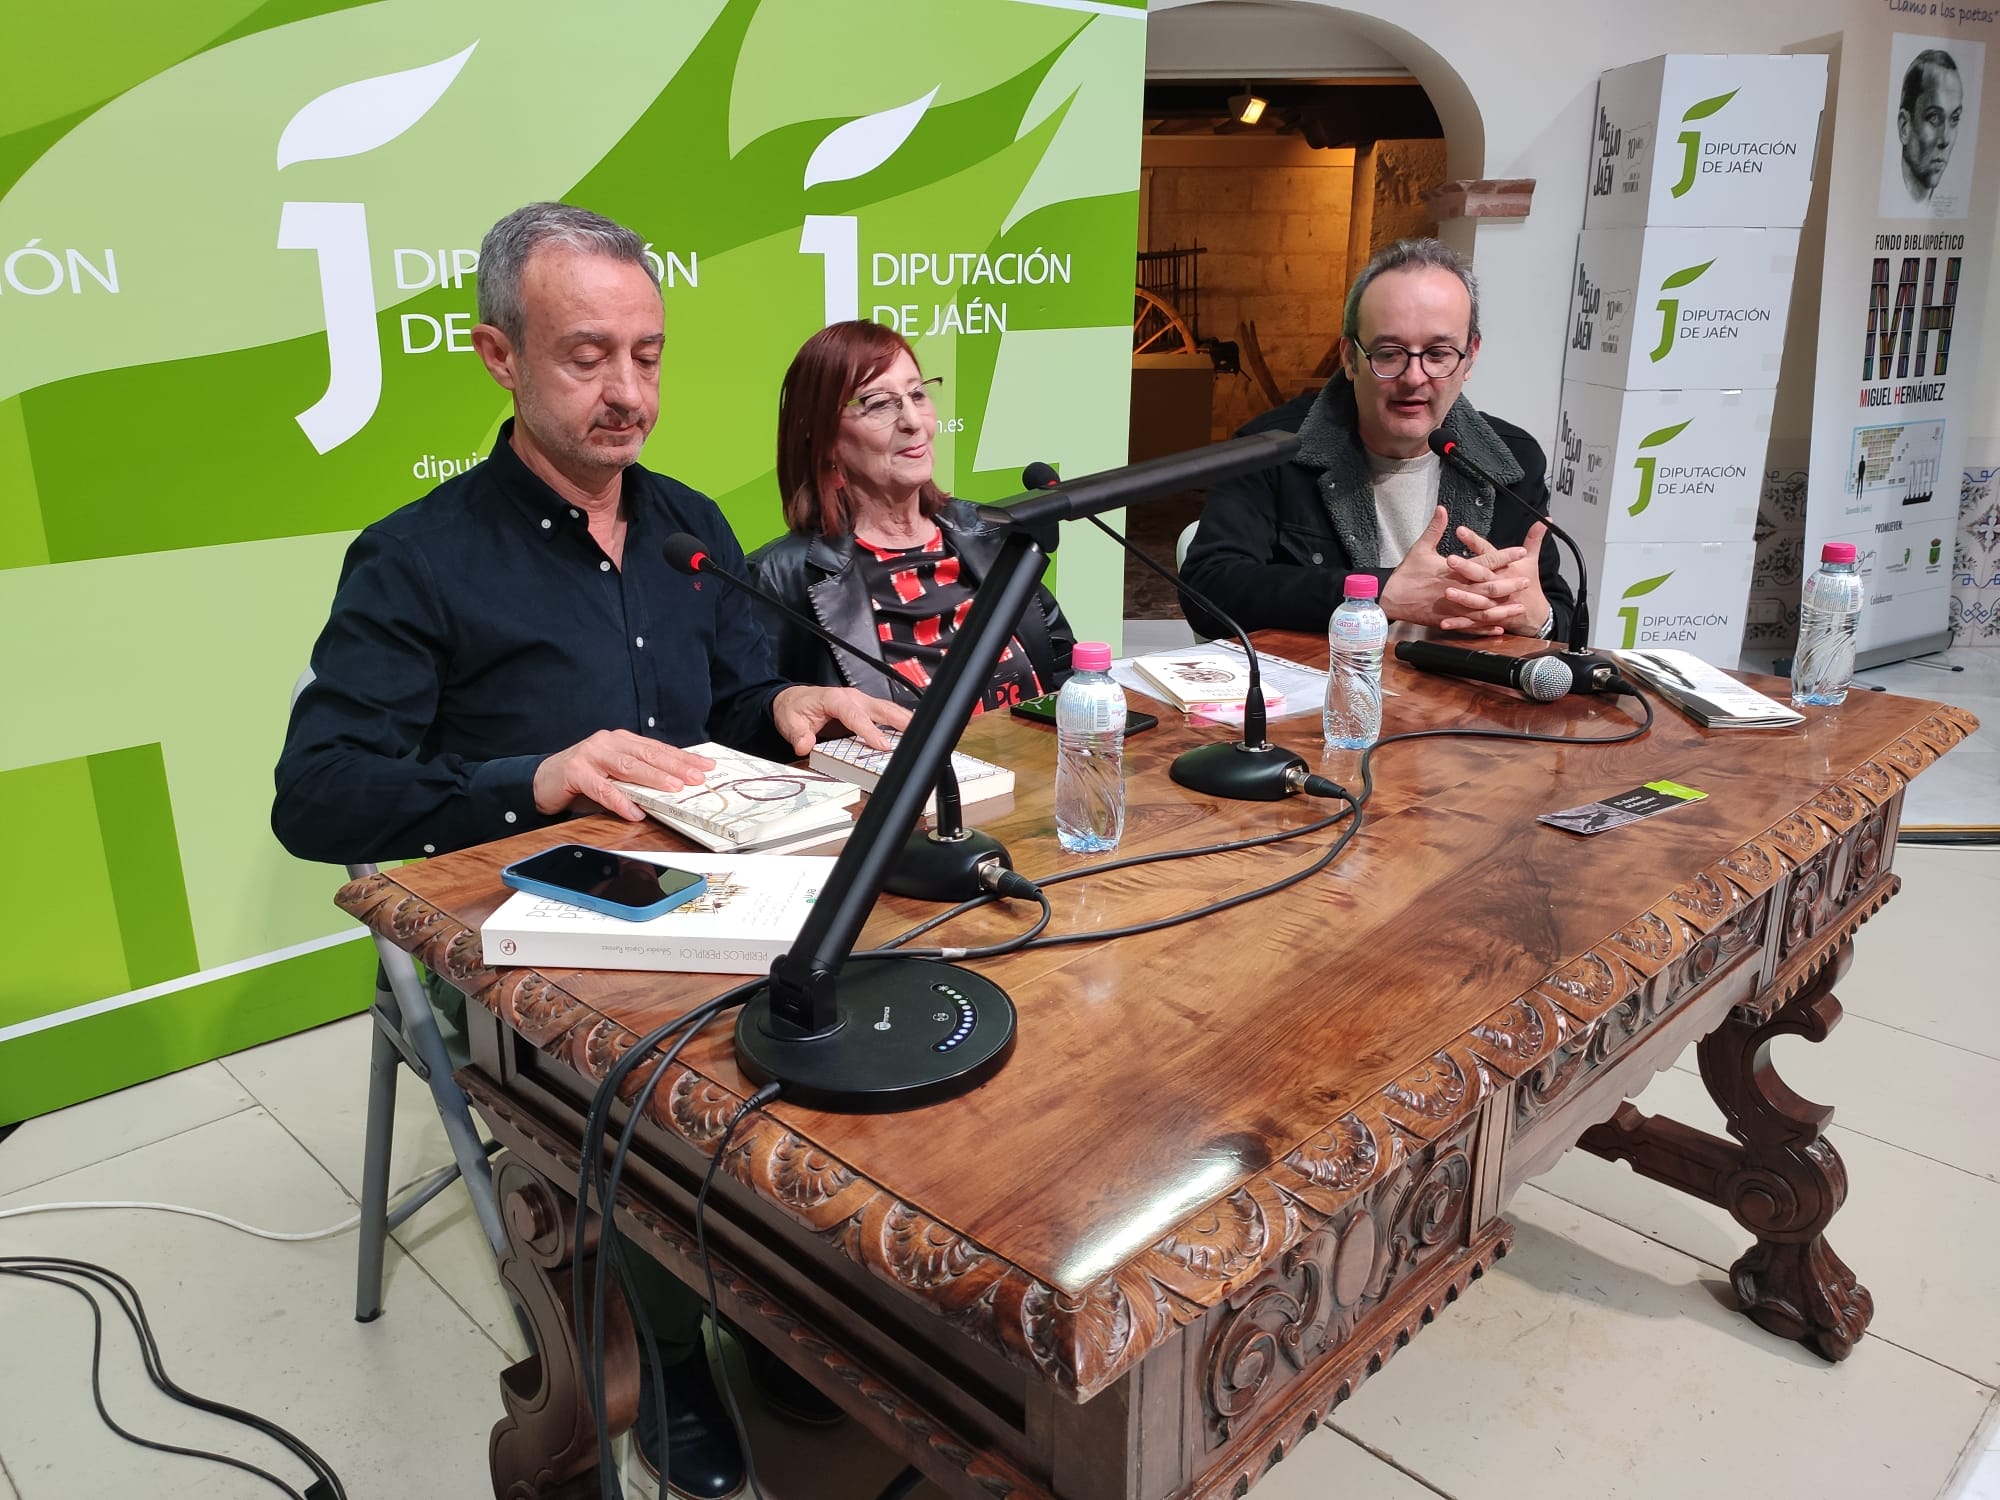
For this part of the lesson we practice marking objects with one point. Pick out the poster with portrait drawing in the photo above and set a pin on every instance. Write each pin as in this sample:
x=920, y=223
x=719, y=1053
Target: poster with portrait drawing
x=1933, y=126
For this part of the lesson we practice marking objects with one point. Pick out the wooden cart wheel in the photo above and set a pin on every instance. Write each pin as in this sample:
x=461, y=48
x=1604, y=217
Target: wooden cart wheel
x=1156, y=327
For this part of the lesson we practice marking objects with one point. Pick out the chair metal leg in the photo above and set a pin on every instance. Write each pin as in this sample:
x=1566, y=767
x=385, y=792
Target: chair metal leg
x=383, y=1061
x=468, y=1149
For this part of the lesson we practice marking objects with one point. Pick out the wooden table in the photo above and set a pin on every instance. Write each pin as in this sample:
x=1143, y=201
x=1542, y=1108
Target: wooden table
x=1234, y=1166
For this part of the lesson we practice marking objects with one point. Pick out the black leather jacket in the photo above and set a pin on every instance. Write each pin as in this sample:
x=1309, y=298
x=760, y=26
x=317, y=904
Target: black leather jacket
x=815, y=575
x=1275, y=546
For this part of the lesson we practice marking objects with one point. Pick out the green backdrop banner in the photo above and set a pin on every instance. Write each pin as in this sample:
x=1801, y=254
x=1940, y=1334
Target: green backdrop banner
x=238, y=262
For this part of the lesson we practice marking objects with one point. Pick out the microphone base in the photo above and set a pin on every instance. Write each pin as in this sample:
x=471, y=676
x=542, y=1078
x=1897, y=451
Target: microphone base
x=1239, y=772
x=908, y=1032
x=944, y=869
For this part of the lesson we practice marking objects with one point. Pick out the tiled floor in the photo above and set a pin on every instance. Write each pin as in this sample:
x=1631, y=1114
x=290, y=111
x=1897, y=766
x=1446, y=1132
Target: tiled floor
x=1602, y=1358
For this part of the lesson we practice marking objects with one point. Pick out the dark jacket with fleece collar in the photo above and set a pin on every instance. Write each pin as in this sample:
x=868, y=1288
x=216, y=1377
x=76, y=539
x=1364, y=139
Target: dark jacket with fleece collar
x=1273, y=547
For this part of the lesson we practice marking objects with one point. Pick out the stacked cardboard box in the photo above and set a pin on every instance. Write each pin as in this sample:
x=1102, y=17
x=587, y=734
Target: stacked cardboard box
x=1700, y=168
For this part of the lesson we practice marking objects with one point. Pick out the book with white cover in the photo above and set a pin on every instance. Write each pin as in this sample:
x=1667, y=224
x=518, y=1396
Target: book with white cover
x=853, y=761
x=748, y=802
x=1707, y=694
x=1198, y=675
x=751, y=913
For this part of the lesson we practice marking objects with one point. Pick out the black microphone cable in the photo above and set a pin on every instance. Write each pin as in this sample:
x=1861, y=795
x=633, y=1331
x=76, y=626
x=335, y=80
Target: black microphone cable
x=55, y=1270
x=586, y=1311
x=762, y=1097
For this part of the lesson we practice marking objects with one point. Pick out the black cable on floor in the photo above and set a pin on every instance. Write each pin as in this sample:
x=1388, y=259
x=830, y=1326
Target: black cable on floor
x=54, y=1270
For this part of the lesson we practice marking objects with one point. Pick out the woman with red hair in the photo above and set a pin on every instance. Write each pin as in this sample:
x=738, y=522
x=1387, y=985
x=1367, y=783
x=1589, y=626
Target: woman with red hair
x=876, y=551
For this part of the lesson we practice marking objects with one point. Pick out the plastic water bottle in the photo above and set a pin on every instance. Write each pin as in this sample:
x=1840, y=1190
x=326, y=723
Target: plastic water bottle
x=1825, y=658
x=1090, y=754
x=1354, y=639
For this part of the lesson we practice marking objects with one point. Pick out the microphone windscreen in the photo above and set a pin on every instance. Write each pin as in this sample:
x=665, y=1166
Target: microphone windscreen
x=1039, y=476
x=685, y=554
x=1440, y=444
x=1546, y=678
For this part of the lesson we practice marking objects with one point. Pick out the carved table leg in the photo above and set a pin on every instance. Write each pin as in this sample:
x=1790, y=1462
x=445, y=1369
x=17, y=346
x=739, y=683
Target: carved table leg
x=545, y=1448
x=1781, y=1178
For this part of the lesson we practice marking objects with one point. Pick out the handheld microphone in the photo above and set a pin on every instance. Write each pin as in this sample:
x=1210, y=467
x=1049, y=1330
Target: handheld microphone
x=1246, y=770
x=1543, y=678
x=948, y=863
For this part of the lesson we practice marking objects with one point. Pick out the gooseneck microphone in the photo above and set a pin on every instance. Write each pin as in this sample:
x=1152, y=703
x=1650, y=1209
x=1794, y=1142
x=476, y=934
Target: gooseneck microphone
x=1579, y=620
x=1246, y=770
x=1589, y=672
x=1542, y=678
x=945, y=863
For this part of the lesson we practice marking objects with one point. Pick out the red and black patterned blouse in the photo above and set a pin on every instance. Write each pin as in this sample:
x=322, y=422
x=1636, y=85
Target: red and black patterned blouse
x=920, y=601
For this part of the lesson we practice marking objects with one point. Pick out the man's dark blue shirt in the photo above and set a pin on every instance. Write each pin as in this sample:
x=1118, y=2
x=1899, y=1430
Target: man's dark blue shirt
x=480, y=630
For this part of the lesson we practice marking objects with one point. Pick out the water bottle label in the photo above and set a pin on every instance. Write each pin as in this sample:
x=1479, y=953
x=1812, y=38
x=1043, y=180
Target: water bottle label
x=1359, y=630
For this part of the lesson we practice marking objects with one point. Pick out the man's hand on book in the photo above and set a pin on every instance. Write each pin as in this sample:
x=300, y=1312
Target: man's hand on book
x=801, y=712
x=585, y=772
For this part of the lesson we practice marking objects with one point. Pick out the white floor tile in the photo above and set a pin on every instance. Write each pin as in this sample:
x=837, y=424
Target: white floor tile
x=99, y=1128
x=1924, y=962
x=1596, y=1364
x=401, y=1406
x=7, y=1491
x=1329, y=1463
x=1941, y=1303
x=316, y=1085
x=1983, y=1483
x=444, y=1238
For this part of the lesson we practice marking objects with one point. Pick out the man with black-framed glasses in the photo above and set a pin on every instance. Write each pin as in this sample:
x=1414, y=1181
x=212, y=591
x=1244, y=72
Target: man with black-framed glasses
x=1365, y=493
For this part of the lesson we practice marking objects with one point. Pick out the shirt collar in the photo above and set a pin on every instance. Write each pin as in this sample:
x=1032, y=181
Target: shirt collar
x=530, y=493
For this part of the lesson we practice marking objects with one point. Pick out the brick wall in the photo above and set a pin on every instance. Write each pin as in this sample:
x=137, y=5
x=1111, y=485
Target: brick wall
x=1276, y=238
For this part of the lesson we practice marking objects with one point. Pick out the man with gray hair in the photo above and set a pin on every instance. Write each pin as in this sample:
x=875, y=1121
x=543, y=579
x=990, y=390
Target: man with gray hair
x=1366, y=495
x=503, y=651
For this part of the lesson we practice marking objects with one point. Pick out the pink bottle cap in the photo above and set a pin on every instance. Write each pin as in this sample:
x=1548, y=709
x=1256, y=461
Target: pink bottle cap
x=1840, y=552
x=1091, y=656
x=1362, y=586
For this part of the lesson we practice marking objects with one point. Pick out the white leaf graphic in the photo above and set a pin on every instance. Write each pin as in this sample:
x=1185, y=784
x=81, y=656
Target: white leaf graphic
x=371, y=112
x=860, y=146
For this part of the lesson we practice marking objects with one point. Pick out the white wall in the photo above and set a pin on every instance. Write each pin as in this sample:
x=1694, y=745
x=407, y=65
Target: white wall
x=1515, y=86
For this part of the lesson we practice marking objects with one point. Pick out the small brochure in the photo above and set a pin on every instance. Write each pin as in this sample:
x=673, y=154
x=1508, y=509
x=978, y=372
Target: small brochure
x=1647, y=801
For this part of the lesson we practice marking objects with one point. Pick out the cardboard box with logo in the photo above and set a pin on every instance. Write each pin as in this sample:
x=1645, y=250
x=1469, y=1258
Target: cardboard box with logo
x=1707, y=141
x=1659, y=466
x=1690, y=596
x=1679, y=309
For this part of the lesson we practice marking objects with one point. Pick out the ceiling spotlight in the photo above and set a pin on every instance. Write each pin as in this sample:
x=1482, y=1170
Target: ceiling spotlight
x=1246, y=107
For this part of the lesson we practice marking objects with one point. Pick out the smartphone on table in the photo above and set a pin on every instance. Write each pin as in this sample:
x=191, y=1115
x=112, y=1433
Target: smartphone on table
x=616, y=885
x=1043, y=711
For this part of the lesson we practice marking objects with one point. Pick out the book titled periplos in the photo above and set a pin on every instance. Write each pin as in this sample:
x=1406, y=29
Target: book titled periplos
x=751, y=913
x=749, y=803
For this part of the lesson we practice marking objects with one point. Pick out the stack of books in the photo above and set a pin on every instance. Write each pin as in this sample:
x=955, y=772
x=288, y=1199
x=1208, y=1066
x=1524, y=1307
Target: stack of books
x=752, y=805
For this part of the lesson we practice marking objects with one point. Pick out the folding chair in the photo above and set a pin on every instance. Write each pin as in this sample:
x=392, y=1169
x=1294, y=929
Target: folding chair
x=406, y=1033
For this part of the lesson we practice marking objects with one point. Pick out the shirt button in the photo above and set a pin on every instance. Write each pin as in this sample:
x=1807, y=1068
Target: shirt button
x=574, y=513
x=649, y=721
x=639, y=641
x=430, y=848
x=546, y=523
x=604, y=567
x=1316, y=557
x=510, y=817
